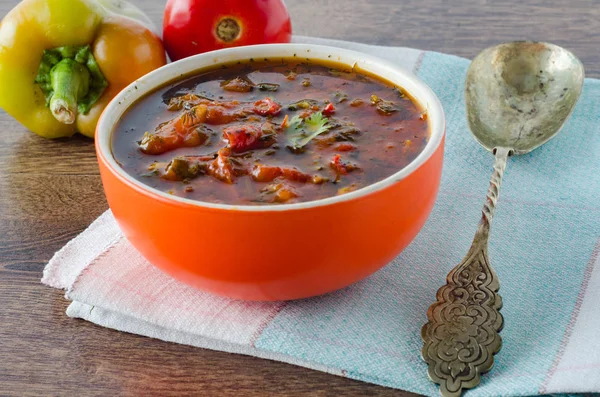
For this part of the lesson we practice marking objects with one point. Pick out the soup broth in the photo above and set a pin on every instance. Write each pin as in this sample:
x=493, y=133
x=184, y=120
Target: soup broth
x=270, y=133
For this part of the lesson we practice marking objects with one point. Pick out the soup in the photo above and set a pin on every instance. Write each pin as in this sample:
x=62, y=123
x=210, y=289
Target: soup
x=270, y=133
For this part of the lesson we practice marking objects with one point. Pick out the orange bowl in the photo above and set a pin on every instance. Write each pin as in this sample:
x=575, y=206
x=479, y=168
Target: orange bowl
x=274, y=252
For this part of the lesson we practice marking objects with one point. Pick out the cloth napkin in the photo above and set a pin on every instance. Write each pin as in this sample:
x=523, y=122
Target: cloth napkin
x=545, y=247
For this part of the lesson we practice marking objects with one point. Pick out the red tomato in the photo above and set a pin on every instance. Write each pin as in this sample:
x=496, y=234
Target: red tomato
x=267, y=107
x=329, y=109
x=242, y=137
x=195, y=26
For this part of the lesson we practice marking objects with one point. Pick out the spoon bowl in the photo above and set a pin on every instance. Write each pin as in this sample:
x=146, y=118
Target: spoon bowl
x=519, y=94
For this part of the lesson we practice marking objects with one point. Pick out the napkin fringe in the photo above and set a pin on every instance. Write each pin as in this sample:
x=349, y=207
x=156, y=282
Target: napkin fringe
x=136, y=326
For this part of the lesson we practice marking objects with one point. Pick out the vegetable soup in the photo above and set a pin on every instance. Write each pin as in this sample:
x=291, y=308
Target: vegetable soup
x=270, y=132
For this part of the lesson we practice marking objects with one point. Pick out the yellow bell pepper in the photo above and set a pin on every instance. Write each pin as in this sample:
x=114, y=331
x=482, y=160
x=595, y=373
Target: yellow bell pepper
x=62, y=61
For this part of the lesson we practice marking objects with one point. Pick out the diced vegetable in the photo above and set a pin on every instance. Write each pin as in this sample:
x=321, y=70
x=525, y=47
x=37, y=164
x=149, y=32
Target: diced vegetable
x=267, y=107
x=303, y=104
x=278, y=193
x=346, y=189
x=342, y=167
x=238, y=85
x=241, y=138
x=285, y=194
x=385, y=108
x=181, y=168
x=172, y=136
x=187, y=101
x=265, y=173
x=221, y=168
x=329, y=109
x=344, y=147
x=268, y=87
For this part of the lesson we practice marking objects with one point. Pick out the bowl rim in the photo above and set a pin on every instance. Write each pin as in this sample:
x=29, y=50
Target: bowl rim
x=186, y=67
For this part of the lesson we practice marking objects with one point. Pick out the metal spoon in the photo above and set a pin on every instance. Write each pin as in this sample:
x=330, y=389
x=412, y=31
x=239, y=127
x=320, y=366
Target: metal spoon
x=518, y=97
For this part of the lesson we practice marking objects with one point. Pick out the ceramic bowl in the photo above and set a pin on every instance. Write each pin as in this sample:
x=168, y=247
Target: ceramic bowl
x=274, y=252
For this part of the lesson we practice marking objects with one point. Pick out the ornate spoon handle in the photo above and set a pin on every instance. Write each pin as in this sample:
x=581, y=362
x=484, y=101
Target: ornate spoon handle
x=461, y=336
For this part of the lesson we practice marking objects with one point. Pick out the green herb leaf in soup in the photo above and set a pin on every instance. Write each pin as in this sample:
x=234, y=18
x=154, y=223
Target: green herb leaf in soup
x=302, y=131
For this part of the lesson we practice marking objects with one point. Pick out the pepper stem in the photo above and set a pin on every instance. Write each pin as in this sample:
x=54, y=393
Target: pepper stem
x=71, y=80
x=71, y=83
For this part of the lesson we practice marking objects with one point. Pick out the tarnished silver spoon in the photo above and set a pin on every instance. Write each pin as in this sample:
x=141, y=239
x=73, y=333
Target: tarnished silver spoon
x=518, y=97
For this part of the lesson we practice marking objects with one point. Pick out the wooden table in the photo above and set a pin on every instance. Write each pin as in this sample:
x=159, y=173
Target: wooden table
x=50, y=192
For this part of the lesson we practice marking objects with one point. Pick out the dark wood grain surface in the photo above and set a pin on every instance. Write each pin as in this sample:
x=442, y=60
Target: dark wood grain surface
x=50, y=192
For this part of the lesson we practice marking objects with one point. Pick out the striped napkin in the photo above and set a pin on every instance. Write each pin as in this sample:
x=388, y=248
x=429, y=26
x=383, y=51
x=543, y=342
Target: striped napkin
x=545, y=247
